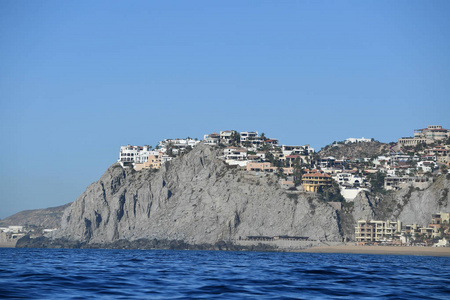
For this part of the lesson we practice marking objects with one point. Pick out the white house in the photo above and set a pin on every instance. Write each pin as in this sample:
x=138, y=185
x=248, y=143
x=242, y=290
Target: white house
x=225, y=136
x=248, y=135
x=349, y=179
x=235, y=153
x=128, y=154
x=211, y=139
x=426, y=166
x=356, y=140
x=178, y=143
x=297, y=150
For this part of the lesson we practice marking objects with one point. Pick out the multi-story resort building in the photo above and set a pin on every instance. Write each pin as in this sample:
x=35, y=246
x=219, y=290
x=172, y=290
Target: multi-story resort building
x=427, y=135
x=438, y=221
x=377, y=231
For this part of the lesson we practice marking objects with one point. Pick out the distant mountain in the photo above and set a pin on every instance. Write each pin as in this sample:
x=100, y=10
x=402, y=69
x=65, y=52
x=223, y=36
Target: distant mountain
x=46, y=217
x=355, y=150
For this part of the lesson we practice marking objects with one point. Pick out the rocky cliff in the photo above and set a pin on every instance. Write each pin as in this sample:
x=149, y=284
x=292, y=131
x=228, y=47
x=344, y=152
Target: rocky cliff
x=196, y=199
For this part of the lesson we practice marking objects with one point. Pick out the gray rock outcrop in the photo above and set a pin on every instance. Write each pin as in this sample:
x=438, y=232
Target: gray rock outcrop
x=197, y=199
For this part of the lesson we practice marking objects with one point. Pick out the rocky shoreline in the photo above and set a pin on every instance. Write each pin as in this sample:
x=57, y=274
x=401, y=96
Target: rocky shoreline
x=142, y=244
x=154, y=244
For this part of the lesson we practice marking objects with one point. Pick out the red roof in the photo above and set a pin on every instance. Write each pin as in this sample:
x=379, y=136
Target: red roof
x=316, y=175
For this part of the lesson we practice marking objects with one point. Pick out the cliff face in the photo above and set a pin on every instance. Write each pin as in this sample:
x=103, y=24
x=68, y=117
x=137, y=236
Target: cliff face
x=196, y=198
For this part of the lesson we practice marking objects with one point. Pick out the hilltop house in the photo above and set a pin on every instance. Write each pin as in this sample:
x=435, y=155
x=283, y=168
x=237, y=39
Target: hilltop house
x=427, y=135
x=235, y=153
x=356, y=140
x=313, y=182
x=212, y=139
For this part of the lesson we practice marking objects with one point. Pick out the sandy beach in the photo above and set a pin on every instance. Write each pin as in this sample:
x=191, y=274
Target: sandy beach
x=384, y=250
x=7, y=245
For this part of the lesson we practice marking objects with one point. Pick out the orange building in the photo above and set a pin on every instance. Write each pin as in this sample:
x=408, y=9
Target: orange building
x=312, y=182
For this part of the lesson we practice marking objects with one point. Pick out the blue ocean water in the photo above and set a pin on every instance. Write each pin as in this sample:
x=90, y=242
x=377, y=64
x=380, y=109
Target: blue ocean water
x=170, y=274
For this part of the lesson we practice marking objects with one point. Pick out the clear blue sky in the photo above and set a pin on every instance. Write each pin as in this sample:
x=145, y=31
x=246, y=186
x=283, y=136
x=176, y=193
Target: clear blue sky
x=80, y=78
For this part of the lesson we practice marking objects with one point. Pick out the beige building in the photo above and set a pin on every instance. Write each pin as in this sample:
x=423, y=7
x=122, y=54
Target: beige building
x=427, y=135
x=267, y=168
x=377, y=231
x=397, y=182
x=153, y=162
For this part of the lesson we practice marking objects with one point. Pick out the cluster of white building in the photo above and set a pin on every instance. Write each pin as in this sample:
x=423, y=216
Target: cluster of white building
x=12, y=229
x=140, y=157
x=248, y=150
x=357, y=140
x=248, y=139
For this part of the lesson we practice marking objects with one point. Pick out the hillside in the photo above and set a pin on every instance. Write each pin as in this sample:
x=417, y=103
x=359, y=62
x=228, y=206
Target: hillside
x=46, y=217
x=354, y=150
x=198, y=200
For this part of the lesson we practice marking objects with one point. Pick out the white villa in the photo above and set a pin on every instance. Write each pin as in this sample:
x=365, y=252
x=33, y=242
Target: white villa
x=235, y=153
x=356, y=140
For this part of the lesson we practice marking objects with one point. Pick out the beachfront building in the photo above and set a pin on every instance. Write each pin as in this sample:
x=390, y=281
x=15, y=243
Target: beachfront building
x=438, y=221
x=377, y=231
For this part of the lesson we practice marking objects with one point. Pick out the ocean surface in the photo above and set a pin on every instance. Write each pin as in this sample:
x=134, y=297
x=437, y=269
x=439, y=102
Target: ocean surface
x=170, y=274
